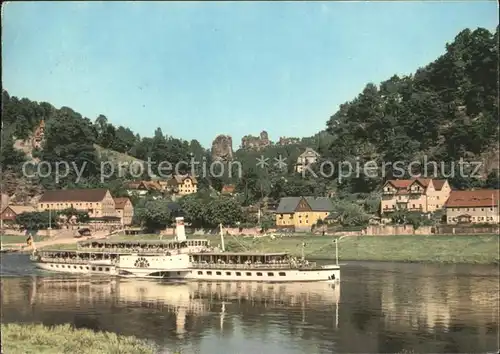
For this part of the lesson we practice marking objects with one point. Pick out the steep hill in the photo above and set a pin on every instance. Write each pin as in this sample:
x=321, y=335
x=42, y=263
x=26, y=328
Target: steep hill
x=444, y=112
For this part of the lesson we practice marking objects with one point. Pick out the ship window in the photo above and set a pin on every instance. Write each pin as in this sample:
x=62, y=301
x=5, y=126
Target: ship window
x=100, y=269
x=259, y=274
x=107, y=269
x=238, y=274
x=178, y=273
x=228, y=273
x=93, y=268
x=249, y=274
x=81, y=267
x=209, y=273
x=200, y=272
x=282, y=274
x=218, y=273
x=87, y=268
x=270, y=274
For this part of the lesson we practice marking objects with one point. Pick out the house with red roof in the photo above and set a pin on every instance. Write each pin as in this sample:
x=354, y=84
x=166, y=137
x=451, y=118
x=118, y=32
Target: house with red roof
x=424, y=195
x=473, y=207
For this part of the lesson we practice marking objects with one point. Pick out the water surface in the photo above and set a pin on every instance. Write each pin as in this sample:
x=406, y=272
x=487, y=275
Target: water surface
x=377, y=307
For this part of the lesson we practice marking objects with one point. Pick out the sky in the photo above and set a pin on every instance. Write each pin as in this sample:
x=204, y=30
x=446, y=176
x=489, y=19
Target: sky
x=197, y=69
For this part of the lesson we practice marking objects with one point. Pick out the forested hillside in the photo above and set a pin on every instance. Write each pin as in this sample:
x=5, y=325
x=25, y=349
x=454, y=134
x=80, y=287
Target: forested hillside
x=443, y=112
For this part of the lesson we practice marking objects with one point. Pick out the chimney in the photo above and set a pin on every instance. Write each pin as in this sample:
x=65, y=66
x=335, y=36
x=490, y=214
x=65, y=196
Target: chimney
x=179, y=229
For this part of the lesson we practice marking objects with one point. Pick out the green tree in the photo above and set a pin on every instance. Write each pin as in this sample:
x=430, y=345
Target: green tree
x=37, y=220
x=154, y=215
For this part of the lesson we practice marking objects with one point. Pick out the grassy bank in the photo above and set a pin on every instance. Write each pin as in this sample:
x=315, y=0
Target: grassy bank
x=478, y=249
x=36, y=338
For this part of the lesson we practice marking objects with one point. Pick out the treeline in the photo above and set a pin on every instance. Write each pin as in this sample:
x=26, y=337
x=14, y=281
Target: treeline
x=445, y=111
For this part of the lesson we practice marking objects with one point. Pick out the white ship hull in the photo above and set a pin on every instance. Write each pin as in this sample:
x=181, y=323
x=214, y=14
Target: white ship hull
x=324, y=274
x=78, y=268
x=329, y=273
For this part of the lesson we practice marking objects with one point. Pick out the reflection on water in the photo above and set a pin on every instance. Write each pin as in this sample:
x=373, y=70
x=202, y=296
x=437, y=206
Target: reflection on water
x=376, y=308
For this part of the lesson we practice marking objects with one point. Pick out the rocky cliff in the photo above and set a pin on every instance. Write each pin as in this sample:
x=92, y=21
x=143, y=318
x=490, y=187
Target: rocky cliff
x=222, y=148
x=250, y=142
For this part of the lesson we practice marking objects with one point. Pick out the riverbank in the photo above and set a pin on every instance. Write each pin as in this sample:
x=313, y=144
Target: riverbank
x=472, y=249
x=36, y=338
x=468, y=249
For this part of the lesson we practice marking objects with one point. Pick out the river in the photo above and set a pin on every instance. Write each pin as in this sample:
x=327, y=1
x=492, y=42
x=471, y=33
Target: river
x=377, y=307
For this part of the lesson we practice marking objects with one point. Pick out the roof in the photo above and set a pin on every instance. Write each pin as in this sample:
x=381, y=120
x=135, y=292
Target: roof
x=19, y=209
x=179, y=179
x=438, y=183
x=424, y=182
x=258, y=254
x=156, y=185
x=308, y=151
x=473, y=198
x=74, y=195
x=121, y=202
x=228, y=188
x=289, y=204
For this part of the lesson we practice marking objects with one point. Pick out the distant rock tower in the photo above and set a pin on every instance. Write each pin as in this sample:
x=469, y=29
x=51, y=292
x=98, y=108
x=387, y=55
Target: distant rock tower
x=39, y=136
x=222, y=148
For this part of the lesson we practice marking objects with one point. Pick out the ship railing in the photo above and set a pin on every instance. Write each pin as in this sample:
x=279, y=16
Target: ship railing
x=72, y=261
x=254, y=265
x=125, y=250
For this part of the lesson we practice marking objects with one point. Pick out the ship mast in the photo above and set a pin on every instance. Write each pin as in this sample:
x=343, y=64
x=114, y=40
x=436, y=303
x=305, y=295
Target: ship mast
x=222, y=237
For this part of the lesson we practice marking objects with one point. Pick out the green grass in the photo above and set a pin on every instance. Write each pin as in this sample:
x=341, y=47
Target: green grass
x=36, y=338
x=6, y=239
x=472, y=249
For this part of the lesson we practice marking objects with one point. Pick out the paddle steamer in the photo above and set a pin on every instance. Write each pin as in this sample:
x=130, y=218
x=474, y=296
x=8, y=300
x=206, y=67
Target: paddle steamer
x=183, y=259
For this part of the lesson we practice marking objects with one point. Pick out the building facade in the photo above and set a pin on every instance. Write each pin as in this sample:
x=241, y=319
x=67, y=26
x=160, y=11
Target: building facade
x=97, y=202
x=421, y=194
x=308, y=157
x=183, y=185
x=9, y=213
x=302, y=213
x=473, y=207
x=124, y=210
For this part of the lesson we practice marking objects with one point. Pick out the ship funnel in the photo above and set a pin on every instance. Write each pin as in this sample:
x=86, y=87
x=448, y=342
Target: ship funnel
x=180, y=233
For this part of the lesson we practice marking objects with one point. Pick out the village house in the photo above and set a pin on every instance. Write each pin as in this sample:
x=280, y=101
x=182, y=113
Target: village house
x=9, y=213
x=124, y=210
x=97, y=202
x=142, y=188
x=309, y=156
x=424, y=195
x=302, y=213
x=473, y=206
x=228, y=189
x=183, y=185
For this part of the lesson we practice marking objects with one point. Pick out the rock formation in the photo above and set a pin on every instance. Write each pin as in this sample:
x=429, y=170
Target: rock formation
x=250, y=142
x=222, y=148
